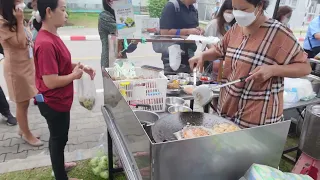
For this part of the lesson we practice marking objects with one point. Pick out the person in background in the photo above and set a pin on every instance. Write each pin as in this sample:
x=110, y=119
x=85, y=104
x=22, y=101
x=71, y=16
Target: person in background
x=312, y=40
x=218, y=27
x=222, y=21
x=55, y=74
x=216, y=9
x=259, y=100
x=5, y=110
x=18, y=64
x=33, y=5
x=107, y=25
x=284, y=15
x=182, y=23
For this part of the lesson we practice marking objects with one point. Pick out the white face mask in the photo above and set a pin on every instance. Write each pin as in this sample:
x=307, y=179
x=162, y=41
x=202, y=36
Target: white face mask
x=21, y=6
x=285, y=20
x=228, y=17
x=244, y=18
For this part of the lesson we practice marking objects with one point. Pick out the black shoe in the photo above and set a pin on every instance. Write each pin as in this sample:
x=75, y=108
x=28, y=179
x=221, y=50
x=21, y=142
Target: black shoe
x=11, y=120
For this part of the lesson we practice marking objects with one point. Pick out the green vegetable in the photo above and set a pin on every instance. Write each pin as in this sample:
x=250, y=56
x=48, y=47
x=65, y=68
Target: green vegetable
x=104, y=175
x=94, y=162
x=103, y=164
x=96, y=171
x=87, y=103
x=104, y=158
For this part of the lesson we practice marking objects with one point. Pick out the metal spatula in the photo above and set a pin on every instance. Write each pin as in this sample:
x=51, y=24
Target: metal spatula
x=204, y=94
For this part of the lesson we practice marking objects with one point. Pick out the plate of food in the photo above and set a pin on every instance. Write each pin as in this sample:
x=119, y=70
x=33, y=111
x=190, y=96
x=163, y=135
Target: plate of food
x=190, y=132
x=173, y=87
x=225, y=128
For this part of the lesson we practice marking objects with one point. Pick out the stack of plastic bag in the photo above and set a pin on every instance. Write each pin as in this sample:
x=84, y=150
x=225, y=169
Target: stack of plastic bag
x=262, y=172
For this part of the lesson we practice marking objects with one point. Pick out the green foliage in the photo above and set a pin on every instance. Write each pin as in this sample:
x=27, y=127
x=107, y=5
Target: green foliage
x=155, y=7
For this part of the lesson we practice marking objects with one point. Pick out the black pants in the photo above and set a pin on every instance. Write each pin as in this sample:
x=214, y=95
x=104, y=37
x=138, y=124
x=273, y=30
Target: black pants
x=4, y=106
x=58, y=123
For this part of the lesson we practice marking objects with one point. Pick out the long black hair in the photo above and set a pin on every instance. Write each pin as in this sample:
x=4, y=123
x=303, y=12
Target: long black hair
x=7, y=7
x=227, y=5
x=107, y=7
x=42, y=6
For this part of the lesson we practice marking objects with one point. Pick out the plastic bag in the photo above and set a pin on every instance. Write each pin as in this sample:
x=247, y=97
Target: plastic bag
x=124, y=69
x=174, y=56
x=262, y=172
x=86, y=92
x=302, y=87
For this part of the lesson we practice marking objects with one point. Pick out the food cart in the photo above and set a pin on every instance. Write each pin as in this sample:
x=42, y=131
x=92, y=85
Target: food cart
x=226, y=156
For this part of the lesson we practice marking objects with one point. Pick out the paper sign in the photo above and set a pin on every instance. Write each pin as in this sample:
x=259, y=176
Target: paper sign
x=125, y=19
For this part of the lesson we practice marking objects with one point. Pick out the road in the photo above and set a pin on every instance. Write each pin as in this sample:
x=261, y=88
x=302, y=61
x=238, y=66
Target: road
x=88, y=52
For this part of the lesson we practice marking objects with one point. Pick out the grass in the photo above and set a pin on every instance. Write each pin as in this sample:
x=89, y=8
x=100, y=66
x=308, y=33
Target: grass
x=82, y=171
x=87, y=20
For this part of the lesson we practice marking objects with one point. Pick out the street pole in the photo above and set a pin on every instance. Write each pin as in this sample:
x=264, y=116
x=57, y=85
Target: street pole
x=276, y=9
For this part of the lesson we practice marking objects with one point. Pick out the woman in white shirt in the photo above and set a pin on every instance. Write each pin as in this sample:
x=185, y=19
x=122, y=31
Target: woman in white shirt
x=218, y=26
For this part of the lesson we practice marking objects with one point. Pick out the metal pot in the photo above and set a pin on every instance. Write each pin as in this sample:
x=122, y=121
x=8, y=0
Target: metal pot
x=147, y=119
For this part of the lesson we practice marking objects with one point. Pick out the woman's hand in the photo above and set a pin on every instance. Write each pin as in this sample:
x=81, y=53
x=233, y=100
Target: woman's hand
x=201, y=30
x=196, y=62
x=261, y=73
x=90, y=71
x=18, y=13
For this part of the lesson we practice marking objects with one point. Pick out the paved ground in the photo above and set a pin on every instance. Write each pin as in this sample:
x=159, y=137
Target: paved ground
x=85, y=130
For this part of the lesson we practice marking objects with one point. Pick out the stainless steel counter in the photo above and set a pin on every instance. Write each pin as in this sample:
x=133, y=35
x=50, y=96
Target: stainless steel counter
x=226, y=156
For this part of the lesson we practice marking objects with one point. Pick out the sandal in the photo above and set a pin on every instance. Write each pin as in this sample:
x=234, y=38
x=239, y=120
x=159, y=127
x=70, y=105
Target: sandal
x=68, y=166
x=20, y=134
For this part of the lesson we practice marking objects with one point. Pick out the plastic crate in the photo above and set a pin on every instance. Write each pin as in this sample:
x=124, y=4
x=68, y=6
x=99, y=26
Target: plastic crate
x=149, y=88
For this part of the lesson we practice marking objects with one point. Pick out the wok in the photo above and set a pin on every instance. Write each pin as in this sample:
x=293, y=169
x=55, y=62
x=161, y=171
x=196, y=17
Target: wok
x=164, y=128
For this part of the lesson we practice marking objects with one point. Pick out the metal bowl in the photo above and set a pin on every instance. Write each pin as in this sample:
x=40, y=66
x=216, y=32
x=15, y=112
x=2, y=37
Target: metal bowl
x=178, y=108
x=147, y=117
x=183, y=82
x=172, y=77
x=173, y=92
x=183, y=75
x=174, y=101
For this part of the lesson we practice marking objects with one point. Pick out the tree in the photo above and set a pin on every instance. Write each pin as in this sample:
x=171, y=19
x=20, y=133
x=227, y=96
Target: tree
x=155, y=7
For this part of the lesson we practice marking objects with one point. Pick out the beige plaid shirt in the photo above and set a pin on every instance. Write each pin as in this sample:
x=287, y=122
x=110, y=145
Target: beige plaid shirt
x=251, y=104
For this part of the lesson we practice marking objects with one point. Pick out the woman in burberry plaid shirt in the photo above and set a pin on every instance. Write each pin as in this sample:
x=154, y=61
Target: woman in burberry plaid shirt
x=265, y=50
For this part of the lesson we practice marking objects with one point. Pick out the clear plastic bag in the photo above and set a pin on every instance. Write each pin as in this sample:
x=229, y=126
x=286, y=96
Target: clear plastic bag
x=86, y=92
x=124, y=69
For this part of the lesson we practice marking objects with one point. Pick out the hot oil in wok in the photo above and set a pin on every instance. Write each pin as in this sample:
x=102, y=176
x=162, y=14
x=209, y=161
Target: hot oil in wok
x=194, y=119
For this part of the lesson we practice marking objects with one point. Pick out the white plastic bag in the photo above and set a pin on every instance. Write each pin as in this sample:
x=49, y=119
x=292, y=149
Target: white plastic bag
x=124, y=69
x=174, y=56
x=86, y=92
x=302, y=87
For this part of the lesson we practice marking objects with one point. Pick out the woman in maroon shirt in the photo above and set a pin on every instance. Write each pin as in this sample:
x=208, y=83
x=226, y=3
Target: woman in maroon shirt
x=55, y=74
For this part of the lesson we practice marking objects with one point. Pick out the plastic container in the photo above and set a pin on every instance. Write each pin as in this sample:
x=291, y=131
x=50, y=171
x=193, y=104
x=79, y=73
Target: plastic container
x=148, y=87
